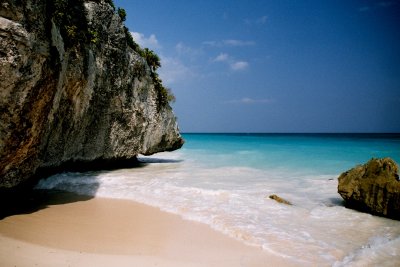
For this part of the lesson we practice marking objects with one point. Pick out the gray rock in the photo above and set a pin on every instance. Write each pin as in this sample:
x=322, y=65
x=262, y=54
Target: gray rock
x=373, y=187
x=74, y=96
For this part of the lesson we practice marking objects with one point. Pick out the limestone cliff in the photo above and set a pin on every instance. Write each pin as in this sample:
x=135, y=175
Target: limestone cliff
x=72, y=89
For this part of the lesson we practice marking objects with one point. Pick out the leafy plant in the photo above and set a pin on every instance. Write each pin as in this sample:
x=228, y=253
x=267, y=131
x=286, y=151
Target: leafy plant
x=122, y=14
x=152, y=59
x=169, y=95
x=71, y=31
x=131, y=43
x=69, y=16
x=94, y=36
x=164, y=94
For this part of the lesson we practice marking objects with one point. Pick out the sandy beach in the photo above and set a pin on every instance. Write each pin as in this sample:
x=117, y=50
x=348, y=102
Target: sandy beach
x=70, y=230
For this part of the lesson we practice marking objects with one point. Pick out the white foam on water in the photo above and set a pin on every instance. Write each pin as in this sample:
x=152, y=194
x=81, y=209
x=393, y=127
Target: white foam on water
x=234, y=200
x=378, y=251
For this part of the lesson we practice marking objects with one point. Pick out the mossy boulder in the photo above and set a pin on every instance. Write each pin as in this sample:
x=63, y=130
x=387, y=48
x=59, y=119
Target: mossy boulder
x=373, y=187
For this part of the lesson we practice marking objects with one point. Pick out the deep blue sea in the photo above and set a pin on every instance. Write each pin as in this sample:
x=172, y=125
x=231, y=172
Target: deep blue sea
x=224, y=180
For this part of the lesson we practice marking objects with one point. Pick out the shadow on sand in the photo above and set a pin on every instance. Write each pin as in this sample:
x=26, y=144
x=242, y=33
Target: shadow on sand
x=30, y=201
x=27, y=200
x=334, y=201
x=147, y=160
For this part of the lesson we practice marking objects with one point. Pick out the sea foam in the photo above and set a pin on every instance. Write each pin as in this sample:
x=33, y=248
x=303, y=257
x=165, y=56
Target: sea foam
x=211, y=185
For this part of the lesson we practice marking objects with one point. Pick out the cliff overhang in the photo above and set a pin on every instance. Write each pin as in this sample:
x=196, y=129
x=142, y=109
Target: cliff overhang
x=74, y=90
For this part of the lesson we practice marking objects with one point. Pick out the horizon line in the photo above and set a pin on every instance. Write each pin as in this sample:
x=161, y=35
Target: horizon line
x=361, y=133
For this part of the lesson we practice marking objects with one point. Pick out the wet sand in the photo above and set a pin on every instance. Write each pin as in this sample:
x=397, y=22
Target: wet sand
x=79, y=231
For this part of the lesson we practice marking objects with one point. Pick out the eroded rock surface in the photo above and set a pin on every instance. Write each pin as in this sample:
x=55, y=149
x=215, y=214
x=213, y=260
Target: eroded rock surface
x=72, y=89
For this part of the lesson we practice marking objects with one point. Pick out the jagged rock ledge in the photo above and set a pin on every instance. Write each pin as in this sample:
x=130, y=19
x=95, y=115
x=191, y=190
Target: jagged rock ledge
x=73, y=89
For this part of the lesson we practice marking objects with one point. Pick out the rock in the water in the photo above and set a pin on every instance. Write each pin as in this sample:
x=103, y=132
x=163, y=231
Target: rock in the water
x=279, y=199
x=373, y=187
x=74, y=89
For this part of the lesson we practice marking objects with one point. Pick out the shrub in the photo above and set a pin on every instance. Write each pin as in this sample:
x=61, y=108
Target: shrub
x=131, y=43
x=69, y=16
x=164, y=95
x=122, y=14
x=71, y=31
x=152, y=59
x=94, y=36
x=169, y=95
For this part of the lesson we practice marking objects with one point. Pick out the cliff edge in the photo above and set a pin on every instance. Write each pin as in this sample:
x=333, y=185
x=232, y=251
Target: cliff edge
x=74, y=90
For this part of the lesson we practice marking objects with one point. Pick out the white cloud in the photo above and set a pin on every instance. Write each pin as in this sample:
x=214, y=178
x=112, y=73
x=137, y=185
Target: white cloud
x=231, y=62
x=257, y=21
x=239, y=65
x=233, y=42
x=149, y=42
x=210, y=43
x=229, y=42
x=173, y=70
x=248, y=101
x=221, y=58
x=190, y=52
x=181, y=48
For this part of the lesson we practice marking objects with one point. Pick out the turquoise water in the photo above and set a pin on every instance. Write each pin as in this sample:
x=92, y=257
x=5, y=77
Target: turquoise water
x=224, y=180
x=315, y=153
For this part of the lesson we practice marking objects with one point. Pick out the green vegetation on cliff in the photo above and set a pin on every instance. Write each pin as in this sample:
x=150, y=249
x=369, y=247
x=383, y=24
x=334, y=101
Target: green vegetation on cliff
x=164, y=94
x=75, y=93
x=68, y=15
x=122, y=13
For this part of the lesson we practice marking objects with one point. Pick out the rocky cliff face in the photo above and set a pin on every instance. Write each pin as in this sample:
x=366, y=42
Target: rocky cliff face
x=373, y=187
x=73, y=90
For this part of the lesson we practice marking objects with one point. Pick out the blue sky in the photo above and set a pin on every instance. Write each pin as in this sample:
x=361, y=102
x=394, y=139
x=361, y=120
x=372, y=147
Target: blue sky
x=276, y=66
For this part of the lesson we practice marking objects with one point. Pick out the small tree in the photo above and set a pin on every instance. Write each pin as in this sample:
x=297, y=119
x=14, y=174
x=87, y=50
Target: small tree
x=122, y=14
x=170, y=96
x=152, y=59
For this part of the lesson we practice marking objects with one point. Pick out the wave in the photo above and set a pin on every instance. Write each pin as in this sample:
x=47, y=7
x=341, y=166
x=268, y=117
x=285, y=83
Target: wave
x=234, y=200
x=378, y=251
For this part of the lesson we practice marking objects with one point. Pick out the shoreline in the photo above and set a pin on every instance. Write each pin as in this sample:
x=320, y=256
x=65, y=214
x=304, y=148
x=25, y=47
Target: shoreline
x=68, y=231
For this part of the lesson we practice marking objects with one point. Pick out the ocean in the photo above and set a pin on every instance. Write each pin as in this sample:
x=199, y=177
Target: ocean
x=224, y=180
